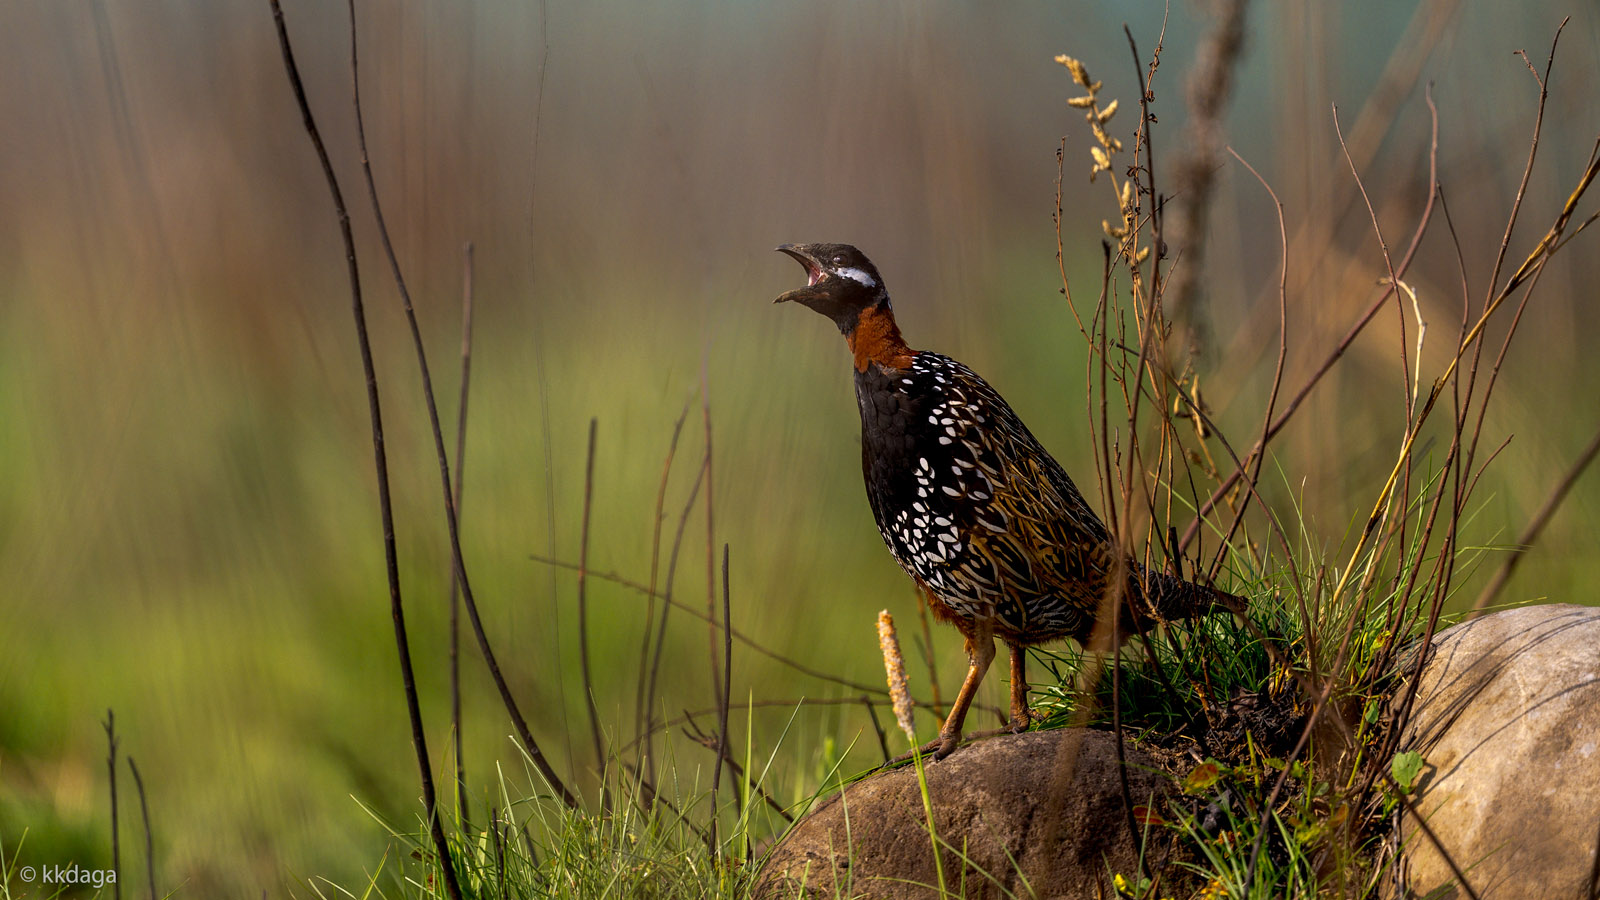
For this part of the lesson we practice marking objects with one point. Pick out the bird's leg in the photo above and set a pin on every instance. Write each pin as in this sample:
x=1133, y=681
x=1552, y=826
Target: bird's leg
x=1020, y=717
x=980, y=650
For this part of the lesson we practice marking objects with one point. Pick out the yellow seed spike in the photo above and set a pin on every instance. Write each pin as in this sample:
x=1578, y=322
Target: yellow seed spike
x=1108, y=112
x=895, y=667
x=1127, y=193
x=1101, y=160
x=1081, y=102
x=1079, y=73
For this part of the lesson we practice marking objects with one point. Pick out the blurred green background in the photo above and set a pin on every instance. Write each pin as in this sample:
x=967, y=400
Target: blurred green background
x=188, y=523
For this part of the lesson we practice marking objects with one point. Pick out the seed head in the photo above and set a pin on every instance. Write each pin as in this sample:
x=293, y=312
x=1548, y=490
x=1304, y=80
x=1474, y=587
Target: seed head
x=894, y=664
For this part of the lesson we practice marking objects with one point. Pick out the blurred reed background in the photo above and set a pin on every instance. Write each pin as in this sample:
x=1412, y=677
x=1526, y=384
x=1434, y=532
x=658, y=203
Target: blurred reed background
x=188, y=529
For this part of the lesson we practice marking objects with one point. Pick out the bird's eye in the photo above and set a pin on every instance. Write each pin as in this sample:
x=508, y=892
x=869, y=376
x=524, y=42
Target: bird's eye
x=838, y=260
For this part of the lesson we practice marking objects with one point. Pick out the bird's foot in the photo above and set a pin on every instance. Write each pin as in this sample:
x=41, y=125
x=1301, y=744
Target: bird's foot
x=1006, y=730
x=938, y=748
x=1022, y=720
x=944, y=745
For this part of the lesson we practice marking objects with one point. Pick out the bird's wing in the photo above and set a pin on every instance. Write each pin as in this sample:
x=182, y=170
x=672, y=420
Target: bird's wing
x=1032, y=547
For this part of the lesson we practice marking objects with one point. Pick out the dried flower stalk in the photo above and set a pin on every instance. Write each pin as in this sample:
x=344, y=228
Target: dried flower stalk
x=895, y=666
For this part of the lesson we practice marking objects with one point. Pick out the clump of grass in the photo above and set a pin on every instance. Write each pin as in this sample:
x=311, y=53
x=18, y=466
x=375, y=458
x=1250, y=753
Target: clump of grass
x=654, y=841
x=533, y=848
x=1292, y=715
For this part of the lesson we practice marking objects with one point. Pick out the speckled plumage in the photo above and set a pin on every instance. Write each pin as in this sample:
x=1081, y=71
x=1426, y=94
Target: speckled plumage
x=969, y=503
x=975, y=509
x=971, y=506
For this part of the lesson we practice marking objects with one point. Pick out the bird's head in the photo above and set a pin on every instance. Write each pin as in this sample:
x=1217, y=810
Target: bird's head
x=841, y=282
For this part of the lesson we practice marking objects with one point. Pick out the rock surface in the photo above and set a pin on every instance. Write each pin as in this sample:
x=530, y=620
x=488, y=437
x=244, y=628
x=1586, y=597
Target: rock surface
x=1507, y=718
x=991, y=798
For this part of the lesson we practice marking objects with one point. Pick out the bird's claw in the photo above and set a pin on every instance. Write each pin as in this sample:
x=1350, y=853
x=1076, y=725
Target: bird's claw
x=1021, y=721
x=936, y=749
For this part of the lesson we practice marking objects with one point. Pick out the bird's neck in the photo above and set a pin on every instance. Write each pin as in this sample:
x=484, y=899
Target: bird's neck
x=876, y=339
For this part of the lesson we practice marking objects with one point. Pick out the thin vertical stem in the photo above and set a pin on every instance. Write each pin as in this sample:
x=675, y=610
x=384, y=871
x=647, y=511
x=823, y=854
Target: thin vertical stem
x=727, y=692
x=149, y=842
x=666, y=608
x=455, y=584
x=877, y=729
x=529, y=744
x=643, y=702
x=380, y=459
x=711, y=532
x=583, y=614
x=497, y=836
x=111, y=767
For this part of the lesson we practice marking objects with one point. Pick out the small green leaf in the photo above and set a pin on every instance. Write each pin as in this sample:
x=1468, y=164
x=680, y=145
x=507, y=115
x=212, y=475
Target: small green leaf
x=1407, y=769
x=1204, y=776
x=1306, y=832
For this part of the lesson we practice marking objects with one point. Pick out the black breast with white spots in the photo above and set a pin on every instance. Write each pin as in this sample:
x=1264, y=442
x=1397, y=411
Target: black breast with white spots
x=970, y=503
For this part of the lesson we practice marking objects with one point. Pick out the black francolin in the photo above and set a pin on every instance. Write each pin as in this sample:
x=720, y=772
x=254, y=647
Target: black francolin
x=987, y=523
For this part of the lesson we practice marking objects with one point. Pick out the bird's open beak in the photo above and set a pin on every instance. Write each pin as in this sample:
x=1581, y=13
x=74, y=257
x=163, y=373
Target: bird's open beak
x=814, y=273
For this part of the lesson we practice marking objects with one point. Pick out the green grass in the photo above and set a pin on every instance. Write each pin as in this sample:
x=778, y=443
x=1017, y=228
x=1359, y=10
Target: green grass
x=654, y=843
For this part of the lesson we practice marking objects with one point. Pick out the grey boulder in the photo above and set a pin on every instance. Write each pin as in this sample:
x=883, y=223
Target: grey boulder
x=1507, y=719
x=1038, y=814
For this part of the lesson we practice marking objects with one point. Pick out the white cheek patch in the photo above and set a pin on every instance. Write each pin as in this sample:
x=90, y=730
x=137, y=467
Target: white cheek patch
x=858, y=276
